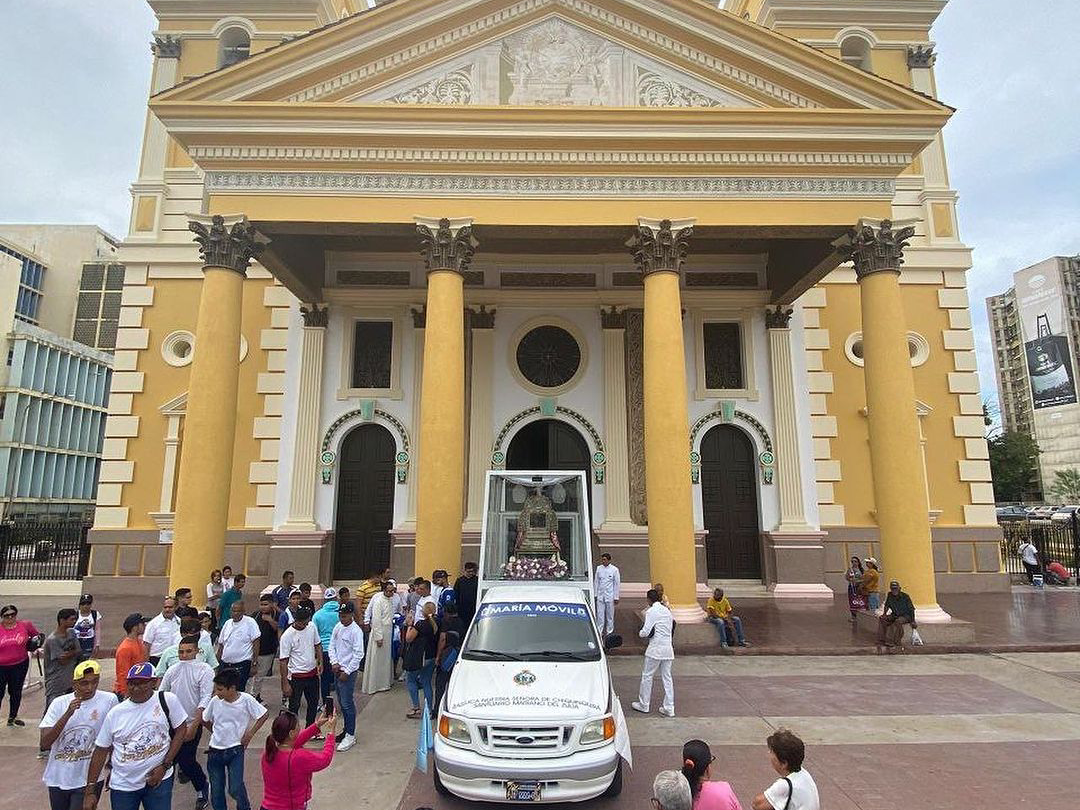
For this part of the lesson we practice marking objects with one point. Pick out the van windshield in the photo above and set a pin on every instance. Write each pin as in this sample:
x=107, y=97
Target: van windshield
x=532, y=631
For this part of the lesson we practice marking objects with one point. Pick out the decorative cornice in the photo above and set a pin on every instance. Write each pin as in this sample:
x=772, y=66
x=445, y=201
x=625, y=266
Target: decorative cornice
x=661, y=245
x=315, y=316
x=529, y=185
x=165, y=47
x=545, y=157
x=612, y=318
x=779, y=318
x=877, y=249
x=230, y=244
x=921, y=56
x=446, y=244
x=482, y=318
x=419, y=316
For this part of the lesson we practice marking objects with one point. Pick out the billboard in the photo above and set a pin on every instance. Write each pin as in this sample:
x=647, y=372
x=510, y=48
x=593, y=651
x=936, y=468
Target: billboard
x=1044, y=328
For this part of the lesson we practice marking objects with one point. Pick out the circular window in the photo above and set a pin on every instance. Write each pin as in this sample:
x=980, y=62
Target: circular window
x=548, y=356
x=918, y=348
x=178, y=348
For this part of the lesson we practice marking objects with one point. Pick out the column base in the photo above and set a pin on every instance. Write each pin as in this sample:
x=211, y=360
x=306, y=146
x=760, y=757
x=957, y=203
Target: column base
x=403, y=551
x=806, y=590
x=688, y=614
x=305, y=551
x=795, y=563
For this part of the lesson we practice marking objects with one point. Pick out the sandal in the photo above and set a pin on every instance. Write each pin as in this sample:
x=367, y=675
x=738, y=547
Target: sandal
x=414, y=714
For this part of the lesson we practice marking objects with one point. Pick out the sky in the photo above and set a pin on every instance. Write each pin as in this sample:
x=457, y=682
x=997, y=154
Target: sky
x=73, y=87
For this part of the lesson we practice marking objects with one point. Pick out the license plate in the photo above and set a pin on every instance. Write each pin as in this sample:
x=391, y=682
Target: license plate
x=523, y=791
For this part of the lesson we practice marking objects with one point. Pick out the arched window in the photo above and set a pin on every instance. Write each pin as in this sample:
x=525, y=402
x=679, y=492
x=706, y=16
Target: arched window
x=855, y=51
x=235, y=46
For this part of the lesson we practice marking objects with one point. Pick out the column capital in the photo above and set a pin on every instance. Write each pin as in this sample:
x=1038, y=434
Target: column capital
x=165, y=47
x=921, y=56
x=612, y=318
x=419, y=316
x=874, y=247
x=779, y=318
x=660, y=245
x=482, y=318
x=446, y=244
x=315, y=316
x=227, y=242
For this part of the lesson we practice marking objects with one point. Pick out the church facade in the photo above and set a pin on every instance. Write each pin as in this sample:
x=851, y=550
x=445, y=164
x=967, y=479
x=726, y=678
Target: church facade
x=707, y=256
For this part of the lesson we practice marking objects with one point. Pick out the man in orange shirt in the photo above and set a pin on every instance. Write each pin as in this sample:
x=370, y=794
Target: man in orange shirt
x=129, y=652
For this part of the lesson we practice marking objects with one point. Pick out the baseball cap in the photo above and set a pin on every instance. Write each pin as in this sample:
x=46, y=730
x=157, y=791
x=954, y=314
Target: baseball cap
x=90, y=667
x=330, y=593
x=132, y=620
x=347, y=607
x=141, y=672
x=86, y=599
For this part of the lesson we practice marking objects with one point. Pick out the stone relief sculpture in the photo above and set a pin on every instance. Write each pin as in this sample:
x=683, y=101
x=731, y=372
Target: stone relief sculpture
x=555, y=63
x=654, y=90
x=452, y=89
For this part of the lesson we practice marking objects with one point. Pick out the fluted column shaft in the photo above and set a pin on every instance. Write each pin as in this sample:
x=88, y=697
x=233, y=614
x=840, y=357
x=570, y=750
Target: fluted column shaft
x=789, y=471
x=617, y=473
x=306, y=438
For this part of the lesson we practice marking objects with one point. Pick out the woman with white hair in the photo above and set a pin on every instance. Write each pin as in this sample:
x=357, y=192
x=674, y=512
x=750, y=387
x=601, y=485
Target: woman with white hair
x=671, y=791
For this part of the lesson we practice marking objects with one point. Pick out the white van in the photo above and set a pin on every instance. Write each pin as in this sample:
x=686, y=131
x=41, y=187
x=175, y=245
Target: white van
x=530, y=714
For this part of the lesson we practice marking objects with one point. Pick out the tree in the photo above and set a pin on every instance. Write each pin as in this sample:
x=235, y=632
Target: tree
x=1013, y=465
x=1066, y=486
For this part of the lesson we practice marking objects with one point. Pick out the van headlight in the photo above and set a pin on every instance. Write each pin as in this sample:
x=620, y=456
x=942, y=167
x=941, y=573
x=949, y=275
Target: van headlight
x=598, y=730
x=453, y=729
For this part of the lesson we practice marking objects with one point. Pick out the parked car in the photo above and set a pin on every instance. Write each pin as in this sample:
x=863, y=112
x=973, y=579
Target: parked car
x=1041, y=512
x=1007, y=514
x=1064, y=513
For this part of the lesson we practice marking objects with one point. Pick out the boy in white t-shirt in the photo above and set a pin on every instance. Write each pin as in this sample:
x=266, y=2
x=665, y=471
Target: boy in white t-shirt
x=795, y=789
x=68, y=730
x=233, y=717
x=143, y=735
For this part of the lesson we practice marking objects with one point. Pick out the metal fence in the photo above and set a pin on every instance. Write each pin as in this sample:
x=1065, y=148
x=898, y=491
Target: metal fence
x=1056, y=540
x=45, y=549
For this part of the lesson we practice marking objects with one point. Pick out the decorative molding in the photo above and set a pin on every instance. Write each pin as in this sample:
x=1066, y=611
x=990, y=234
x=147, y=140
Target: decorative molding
x=661, y=245
x=328, y=457
x=374, y=278
x=766, y=458
x=315, y=316
x=454, y=88
x=450, y=156
x=482, y=318
x=921, y=56
x=654, y=90
x=877, y=249
x=634, y=338
x=231, y=246
x=419, y=316
x=779, y=318
x=723, y=279
x=165, y=47
x=446, y=244
x=526, y=185
x=599, y=457
x=518, y=279
x=612, y=318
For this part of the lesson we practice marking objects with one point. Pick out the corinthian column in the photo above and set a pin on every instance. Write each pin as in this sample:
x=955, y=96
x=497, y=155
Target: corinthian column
x=900, y=500
x=227, y=245
x=306, y=439
x=789, y=473
x=659, y=250
x=447, y=246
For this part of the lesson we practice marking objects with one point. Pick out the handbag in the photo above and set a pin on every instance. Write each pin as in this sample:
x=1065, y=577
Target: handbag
x=790, y=792
x=35, y=643
x=916, y=639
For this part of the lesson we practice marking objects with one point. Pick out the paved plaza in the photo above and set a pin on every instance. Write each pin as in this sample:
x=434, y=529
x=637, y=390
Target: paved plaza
x=903, y=732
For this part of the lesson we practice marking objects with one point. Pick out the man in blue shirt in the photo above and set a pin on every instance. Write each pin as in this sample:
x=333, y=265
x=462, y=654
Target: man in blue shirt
x=282, y=591
x=326, y=618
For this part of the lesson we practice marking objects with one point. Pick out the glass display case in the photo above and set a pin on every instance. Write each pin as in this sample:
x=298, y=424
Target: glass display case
x=536, y=529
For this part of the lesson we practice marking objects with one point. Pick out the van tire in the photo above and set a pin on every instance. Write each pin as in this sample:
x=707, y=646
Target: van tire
x=440, y=788
x=615, y=788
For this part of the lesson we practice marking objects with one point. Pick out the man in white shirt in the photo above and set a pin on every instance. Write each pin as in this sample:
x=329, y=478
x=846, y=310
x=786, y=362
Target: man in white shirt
x=795, y=789
x=439, y=581
x=346, y=653
x=192, y=681
x=161, y=630
x=1029, y=556
x=606, y=583
x=300, y=664
x=238, y=643
x=142, y=735
x=233, y=717
x=425, y=591
x=659, y=656
x=68, y=730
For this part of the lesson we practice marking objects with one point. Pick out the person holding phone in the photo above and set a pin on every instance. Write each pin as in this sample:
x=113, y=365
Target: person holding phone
x=287, y=768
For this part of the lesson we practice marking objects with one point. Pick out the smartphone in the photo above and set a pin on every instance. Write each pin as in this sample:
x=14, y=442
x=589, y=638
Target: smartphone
x=328, y=705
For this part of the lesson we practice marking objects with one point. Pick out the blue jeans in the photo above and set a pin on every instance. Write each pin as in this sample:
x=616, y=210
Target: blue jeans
x=347, y=701
x=421, y=679
x=231, y=760
x=148, y=798
x=721, y=626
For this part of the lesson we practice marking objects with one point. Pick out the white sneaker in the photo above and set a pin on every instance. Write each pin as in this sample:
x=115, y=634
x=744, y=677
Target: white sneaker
x=666, y=713
x=637, y=707
x=347, y=742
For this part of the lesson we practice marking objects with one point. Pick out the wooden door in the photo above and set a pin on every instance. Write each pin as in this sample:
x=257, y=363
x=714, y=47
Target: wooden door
x=729, y=503
x=365, y=502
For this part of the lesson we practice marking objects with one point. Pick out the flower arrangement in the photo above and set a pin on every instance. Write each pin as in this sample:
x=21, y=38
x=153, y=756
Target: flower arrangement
x=535, y=568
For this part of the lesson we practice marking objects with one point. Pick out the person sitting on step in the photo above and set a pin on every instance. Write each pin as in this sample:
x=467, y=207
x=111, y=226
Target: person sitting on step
x=720, y=613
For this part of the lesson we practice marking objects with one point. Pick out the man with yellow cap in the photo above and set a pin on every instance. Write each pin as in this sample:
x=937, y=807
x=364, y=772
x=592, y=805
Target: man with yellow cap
x=68, y=731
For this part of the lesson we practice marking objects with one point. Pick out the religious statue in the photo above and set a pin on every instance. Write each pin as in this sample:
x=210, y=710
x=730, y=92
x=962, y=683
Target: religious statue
x=537, y=527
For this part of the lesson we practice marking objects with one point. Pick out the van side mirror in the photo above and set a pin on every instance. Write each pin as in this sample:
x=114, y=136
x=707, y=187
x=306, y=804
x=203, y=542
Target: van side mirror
x=613, y=641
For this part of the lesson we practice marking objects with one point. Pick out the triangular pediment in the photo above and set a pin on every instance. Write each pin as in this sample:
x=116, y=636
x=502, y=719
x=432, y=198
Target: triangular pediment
x=530, y=53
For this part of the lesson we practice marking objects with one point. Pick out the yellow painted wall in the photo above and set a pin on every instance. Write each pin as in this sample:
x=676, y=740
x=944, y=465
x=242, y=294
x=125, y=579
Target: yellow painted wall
x=175, y=306
x=842, y=316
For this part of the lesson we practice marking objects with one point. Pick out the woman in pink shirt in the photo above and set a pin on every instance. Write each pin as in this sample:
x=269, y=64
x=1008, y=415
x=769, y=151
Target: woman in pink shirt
x=697, y=762
x=14, y=660
x=287, y=767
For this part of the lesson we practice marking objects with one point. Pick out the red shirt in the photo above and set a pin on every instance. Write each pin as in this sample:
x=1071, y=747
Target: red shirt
x=1058, y=569
x=13, y=642
x=129, y=652
x=287, y=778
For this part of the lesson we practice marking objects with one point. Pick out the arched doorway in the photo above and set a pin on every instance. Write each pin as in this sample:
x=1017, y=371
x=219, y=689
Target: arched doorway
x=729, y=504
x=365, y=502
